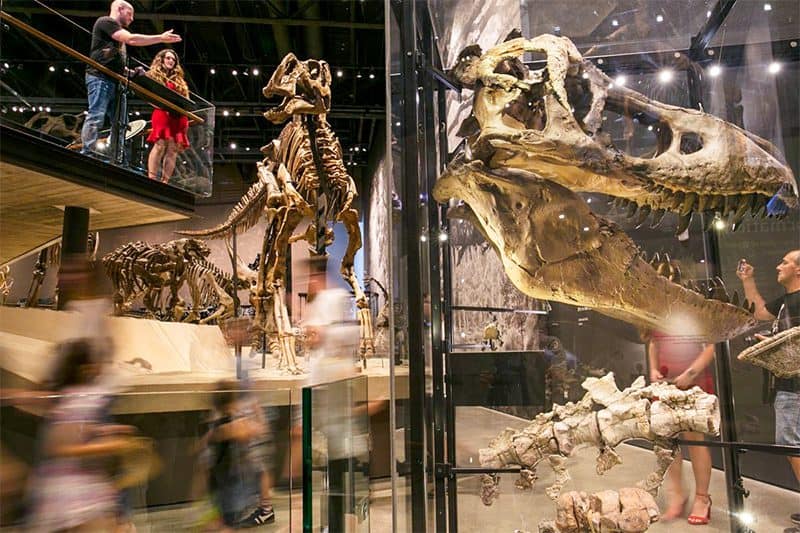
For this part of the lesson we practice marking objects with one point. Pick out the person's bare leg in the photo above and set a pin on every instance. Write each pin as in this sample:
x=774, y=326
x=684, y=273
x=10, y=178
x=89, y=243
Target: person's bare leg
x=674, y=486
x=700, y=456
x=154, y=159
x=795, y=462
x=169, y=161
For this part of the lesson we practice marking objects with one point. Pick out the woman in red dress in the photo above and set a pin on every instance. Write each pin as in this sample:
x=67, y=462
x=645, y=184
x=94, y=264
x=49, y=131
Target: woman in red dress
x=168, y=134
x=685, y=362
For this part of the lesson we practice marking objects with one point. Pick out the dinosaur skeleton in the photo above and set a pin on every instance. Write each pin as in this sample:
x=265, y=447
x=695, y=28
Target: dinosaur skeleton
x=140, y=269
x=631, y=510
x=302, y=174
x=535, y=140
x=780, y=354
x=603, y=418
x=6, y=282
x=210, y=286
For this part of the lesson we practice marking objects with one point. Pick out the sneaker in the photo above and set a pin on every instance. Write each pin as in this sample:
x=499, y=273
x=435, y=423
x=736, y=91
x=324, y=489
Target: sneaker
x=262, y=515
x=791, y=530
x=795, y=518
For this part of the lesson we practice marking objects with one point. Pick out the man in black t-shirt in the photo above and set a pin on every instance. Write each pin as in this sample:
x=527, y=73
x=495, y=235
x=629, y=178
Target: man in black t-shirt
x=109, y=41
x=786, y=312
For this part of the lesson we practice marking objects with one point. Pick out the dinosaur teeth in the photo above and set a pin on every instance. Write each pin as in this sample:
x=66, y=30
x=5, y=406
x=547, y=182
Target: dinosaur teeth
x=759, y=204
x=702, y=202
x=735, y=299
x=683, y=223
x=632, y=207
x=677, y=201
x=688, y=202
x=658, y=216
x=644, y=212
x=731, y=202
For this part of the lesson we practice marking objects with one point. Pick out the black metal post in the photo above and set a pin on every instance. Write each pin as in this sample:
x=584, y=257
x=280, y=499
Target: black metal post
x=436, y=245
x=74, y=234
x=411, y=224
x=237, y=343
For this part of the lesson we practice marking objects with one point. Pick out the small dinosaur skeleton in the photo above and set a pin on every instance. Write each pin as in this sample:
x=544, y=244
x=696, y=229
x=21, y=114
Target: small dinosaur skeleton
x=631, y=510
x=535, y=140
x=780, y=354
x=210, y=286
x=302, y=174
x=140, y=269
x=603, y=418
x=6, y=282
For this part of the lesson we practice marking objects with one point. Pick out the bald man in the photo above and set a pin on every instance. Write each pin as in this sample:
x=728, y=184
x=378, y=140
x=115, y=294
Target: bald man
x=786, y=310
x=109, y=40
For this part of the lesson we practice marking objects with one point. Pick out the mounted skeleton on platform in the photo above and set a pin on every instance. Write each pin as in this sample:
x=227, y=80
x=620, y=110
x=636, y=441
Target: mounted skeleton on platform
x=302, y=176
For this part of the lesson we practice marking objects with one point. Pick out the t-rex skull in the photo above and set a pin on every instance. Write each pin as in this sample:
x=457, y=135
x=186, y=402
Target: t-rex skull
x=535, y=140
x=304, y=85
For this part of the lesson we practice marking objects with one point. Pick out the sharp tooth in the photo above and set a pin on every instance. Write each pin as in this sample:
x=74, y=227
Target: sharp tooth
x=702, y=202
x=760, y=204
x=683, y=223
x=731, y=201
x=746, y=304
x=631, y=209
x=643, y=214
x=735, y=299
x=688, y=202
x=655, y=260
x=658, y=216
x=674, y=273
x=752, y=307
x=716, y=202
x=677, y=200
x=741, y=210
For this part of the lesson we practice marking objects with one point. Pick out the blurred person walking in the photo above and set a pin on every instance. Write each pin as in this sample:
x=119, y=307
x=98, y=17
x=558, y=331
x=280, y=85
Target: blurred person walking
x=71, y=487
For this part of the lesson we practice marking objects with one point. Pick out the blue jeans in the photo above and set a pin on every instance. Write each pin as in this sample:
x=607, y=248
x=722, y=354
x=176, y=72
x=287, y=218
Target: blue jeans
x=787, y=418
x=102, y=94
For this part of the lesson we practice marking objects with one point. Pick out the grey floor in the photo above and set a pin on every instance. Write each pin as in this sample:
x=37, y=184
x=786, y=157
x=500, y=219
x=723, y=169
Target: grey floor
x=517, y=510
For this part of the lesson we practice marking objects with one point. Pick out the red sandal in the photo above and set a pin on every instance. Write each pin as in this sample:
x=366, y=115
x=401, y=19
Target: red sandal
x=697, y=520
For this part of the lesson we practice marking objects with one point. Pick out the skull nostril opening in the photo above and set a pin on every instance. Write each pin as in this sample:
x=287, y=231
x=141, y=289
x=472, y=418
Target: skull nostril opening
x=691, y=143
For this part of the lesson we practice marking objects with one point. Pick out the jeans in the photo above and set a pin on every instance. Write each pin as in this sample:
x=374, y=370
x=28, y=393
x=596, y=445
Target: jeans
x=102, y=99
x=787, y=418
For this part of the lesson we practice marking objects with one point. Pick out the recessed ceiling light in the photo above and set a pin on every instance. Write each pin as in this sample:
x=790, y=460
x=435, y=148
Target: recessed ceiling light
x=715, y=71
x=339, y=73
x=659, y=18
x=235, y=72
x=233, y=146
x=767, y=7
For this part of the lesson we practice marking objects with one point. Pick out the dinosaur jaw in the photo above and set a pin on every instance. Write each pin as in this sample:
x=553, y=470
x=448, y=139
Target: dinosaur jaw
x=304, y=85
x=553, y=247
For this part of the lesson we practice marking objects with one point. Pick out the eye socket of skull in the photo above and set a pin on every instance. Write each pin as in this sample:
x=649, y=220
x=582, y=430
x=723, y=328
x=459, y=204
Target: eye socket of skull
x=512, y=66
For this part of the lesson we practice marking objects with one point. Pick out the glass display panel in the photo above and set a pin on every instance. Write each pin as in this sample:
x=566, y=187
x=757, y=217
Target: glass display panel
x=336, y=456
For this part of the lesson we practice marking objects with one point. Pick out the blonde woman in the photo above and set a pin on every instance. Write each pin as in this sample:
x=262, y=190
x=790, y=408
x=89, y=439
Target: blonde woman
x=168, y=134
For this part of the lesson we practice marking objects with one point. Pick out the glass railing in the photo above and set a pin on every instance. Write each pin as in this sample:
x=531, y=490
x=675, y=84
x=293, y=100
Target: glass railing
x=211, y=454
x=336, y=456
x=43, y=92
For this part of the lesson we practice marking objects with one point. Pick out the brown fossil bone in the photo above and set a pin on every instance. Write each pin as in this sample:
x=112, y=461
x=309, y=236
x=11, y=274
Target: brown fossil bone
x=603, y=418
x=631, y=510
x=302, y=174
x=780, y=354
x=535, y=140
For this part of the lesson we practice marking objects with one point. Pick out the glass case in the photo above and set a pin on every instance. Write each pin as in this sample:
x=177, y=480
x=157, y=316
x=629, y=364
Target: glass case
x=670, y=129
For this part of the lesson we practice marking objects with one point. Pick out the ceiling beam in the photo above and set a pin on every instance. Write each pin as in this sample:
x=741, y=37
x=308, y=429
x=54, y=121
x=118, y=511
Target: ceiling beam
x=176, y=17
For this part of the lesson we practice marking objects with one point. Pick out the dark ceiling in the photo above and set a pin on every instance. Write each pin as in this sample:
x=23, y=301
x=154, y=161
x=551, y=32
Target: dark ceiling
x=226, y=36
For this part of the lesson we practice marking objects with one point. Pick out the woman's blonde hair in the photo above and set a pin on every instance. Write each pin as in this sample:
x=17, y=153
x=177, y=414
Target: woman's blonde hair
x=159, y=72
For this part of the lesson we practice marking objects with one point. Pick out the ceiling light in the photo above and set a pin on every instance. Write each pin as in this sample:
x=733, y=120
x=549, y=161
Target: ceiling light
x=371, y=76
x=339, y=73
x=615, y=23
x=719, y=224
x=620, y=80
x=235, y=72
x=397, y=123
x=47, y=109
x=213, y=70
x=245, y=73
x=225, y=113
x=665, y=75
x=136, y=113
x=246, y=148
x=650, y=127
x=585, y=76
x=715, y=71
x=442, y=236
x=238, y=114
x=233, y=146
x=6, y=65
x=774, y=68
x=767, y=7
x=66, y=69
x=659, y=18
x=14, y=109
x=255, y=72
x=423, y=238
x=358, y=75
x=51, y=68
